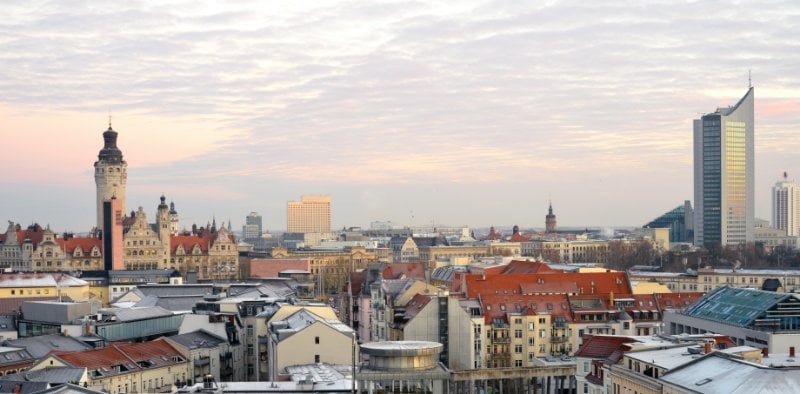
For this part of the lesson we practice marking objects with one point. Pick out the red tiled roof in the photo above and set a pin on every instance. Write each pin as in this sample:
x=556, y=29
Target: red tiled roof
x=158, y=352
x=85, y=243
x=549, y=288
x=415, y=305
x=499, y=305
x=521, y=267
x=269, y=268
x=586, y=282
x=517, y=237
x=357, y=280
x=35, y=233
x=188, y=242
x=676, y=300
x=408, y=270
x=601, y=346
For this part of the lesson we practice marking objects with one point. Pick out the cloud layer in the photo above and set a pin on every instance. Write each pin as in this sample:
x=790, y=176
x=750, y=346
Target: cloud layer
x=495, y=105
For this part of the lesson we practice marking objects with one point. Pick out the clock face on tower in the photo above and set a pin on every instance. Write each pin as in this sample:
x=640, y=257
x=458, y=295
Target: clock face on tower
x=222, y=237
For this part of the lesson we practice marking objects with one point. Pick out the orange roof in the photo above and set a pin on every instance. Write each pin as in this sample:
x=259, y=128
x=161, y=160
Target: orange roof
x=270, y=268
x=188, y=242
x=499, y=305
x=408, y=270
x=602, y=346
x=415, y=305
x=676, y=300
x=585, y=282
x=517, y=237
x=522, y=267
x=158, y=352
x=85, y=243
x=34, y=233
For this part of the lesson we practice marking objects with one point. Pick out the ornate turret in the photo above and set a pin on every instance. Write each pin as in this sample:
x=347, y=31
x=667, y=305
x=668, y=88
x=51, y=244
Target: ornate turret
x=110, y=174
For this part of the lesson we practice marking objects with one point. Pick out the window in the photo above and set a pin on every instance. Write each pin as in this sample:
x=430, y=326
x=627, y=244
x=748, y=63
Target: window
x=316, y=340
x=518, y=349
x=316, y=358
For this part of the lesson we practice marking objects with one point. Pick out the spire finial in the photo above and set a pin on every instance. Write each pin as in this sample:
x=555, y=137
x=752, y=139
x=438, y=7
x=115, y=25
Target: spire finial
x=109, y=121
x=749, y=79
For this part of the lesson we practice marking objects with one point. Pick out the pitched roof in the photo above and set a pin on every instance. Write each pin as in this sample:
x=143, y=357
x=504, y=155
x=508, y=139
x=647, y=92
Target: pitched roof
x=39, y=346
x=188, y=242
x=157, y=353
x=498, y=306
x=85, y=243
x=577, y=282
x=270, y=268
x=414, y=270
x=524, y=267
x=58, y=375
x=417, y=303
x=601, y=346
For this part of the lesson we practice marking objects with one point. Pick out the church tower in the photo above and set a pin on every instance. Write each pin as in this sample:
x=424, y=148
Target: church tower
x=110, y=174
x=550, y=220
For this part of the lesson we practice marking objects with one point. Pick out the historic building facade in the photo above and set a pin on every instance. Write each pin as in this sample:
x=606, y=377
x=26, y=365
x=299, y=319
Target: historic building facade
x=110, y=174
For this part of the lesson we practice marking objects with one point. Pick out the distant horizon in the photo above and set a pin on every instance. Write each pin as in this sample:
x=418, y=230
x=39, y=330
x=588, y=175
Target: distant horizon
x=476, y=112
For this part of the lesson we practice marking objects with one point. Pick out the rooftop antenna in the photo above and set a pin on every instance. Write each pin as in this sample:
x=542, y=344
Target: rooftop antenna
x=749, y=79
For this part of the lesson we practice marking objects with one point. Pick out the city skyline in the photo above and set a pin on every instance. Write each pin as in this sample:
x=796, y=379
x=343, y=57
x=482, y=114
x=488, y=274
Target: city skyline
x=472, y=114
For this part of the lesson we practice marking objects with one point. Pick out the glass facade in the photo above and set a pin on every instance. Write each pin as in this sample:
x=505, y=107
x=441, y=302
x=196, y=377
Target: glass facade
x=724, y=175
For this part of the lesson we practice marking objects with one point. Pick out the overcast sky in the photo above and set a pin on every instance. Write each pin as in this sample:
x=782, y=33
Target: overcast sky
x=455, y=113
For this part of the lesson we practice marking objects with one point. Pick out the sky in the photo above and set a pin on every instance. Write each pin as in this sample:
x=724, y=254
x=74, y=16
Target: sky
x=468, y=113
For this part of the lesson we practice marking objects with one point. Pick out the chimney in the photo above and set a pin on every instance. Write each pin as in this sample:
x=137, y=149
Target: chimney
x=707, y=348
x=791, y=351
x=611, y=299
x=765, y=352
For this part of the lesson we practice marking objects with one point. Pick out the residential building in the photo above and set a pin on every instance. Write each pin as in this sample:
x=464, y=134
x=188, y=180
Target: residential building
x=204, y=351
x=720, y=372
x=724, y=178
x=786, y=206
x=782, y=280
x=151, y=367
x=323, y=340
x=110, y=174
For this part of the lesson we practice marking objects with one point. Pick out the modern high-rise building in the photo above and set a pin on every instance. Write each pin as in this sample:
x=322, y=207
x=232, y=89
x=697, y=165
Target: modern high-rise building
x=252, y=228
x=110, y=174
x=786, y=206
x=312, y=214
x=724, y=187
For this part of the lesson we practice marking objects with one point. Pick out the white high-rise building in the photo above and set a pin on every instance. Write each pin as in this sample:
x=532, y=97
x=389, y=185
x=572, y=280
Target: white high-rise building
x=724, y=175
x=786, y=206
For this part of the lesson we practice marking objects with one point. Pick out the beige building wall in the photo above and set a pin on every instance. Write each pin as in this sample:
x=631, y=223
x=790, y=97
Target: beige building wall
x=334, y=347
x=312, y=214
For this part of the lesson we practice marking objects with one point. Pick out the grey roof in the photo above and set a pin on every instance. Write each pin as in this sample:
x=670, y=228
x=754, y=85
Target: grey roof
x=131, y=314
x=396, y=286
x=170, y=303
x=50, y=375
x=173, y=290
x=11, y=386
x=39, y=346
x=720, y=373
x=69, y=389
x=198, y=339
x=14, y=354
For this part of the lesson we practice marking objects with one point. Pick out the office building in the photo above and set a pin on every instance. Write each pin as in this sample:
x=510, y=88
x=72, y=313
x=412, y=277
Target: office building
x=253, y=226
x=110, y=174
x=679, y=221
x=312, y=214
x=724, y=175
x=786, y=206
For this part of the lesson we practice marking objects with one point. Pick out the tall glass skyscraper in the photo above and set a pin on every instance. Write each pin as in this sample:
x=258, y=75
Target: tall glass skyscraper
x=724, y=186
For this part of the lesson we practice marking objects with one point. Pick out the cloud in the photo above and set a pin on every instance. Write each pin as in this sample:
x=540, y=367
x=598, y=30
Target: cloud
x=411, y=93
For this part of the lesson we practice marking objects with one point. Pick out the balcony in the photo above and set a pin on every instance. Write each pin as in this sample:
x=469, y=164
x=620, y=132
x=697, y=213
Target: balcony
x=559, y=339
x=501, y=340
